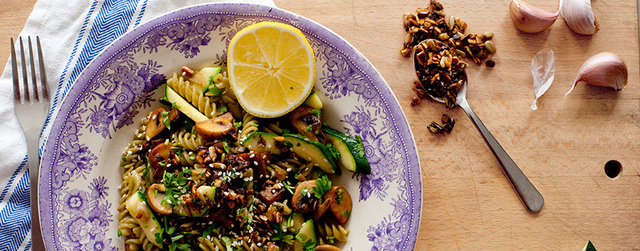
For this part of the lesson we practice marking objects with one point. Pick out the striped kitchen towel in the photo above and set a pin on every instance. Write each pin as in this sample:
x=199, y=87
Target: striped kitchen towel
x=72, y=32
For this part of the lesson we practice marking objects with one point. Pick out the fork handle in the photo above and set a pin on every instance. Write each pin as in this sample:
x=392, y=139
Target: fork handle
x=529, y=195
x=33, y=135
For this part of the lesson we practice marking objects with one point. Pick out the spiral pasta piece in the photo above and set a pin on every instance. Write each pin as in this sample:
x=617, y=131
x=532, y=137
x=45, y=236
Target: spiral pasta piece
x=330, y=231
x=249, y=125
x=187, y=140
x=194, y=95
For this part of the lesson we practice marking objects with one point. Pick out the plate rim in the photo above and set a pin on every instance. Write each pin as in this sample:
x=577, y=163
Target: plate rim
x=130, y=37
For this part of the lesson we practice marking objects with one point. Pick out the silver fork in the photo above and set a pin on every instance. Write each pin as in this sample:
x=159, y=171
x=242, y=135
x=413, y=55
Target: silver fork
x=31, y=100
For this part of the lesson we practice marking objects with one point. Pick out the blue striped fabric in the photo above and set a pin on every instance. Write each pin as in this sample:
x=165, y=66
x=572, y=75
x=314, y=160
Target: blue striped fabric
x=73, y=54
x=111, y=21
x=15, y=216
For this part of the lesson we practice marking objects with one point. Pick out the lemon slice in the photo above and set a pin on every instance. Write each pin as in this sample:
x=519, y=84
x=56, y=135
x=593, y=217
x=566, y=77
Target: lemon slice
x=271, y=68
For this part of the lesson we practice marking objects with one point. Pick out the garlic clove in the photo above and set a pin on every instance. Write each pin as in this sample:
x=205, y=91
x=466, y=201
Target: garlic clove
x=603, y=69
x=530, y=19
x=579, y=16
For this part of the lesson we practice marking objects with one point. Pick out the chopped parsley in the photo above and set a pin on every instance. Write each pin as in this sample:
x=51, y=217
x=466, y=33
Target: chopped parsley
x=323, y=185
x=211, y=88
x=174, y=184
x=226, y=146
x=223, y=109
x=280, y=236
x=288, y=186
x=316, y=112
x=208, y=231
x=304, y=192
x=309, y=245
x=165, y=121
x=309, y=128
x=146, y=169
x=238, y=124
x=339, y=199
x=334, y=151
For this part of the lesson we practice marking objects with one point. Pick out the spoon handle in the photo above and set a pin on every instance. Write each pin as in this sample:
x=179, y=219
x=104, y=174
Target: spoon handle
x=529, y=195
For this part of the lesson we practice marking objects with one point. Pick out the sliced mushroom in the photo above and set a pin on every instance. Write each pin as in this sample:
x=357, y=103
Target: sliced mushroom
x=303, y=199
x=342, y=204
x=327, y=247
x=156, y=122
x=322, y=208
x=155, y=194
x=270, y=194
x=161, y=157
x=305, y=121
x=257, y=160
x=216, y=128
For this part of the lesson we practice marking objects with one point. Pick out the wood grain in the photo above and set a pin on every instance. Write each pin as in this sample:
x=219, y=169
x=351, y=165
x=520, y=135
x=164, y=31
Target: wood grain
x=13, y=15
x=562, y=147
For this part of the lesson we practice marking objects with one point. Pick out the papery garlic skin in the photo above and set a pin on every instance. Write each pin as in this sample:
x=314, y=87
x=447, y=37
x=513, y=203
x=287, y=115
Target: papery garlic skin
x=530, y=19
x=579, y=16
x=603, y=69
x=543, y=70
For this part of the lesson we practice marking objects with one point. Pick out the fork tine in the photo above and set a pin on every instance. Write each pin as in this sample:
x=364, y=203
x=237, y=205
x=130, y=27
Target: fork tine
x=14, y=72
x=43, y=75
x=25, y=83
x=33, y=72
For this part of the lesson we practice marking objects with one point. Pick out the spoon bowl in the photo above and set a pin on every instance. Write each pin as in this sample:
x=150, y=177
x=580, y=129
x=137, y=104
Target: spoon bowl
x=528, y=194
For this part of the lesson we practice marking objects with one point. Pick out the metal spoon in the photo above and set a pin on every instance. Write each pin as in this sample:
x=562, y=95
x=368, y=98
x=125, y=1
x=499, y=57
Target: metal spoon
x=529, y=195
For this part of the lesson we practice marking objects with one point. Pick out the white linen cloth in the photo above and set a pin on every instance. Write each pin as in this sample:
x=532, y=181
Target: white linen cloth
x=72, y=33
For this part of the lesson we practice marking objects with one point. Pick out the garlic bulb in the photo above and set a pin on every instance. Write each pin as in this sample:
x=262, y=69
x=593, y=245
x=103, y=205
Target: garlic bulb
x=603, y=69
x=579, y=16
x=530, y=19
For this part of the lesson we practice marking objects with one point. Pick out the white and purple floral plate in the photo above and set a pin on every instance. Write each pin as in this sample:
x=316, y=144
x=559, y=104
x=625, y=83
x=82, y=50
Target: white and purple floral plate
x=80, y=172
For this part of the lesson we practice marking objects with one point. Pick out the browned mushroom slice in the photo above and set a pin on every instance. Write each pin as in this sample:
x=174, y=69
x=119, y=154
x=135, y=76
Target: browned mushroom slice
x=303, y=199
x=161, y=157
x=257, y=160
x=342, y=204
x=157, y=121
x=305, y=121
x=217, y=127
x=155, y=194
x=327, y=247
x=322, y=208
x=270, y=194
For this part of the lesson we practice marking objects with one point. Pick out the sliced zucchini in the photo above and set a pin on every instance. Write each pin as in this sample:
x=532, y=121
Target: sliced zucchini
x=294, y=223
x=181, y=208
x=314, y=101
x=207, y=193
x=183, y=105
x=203, y=76
x=352, y=153
x=307, y=234
x=314, y=152
x=138, y=207
x=261, y=142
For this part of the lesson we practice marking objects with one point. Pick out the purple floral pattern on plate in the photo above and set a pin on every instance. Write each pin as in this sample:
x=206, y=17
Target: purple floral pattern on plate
x=79, y=182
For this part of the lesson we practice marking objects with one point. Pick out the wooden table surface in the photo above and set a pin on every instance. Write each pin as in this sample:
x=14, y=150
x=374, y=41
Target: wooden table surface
x=562, y=147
